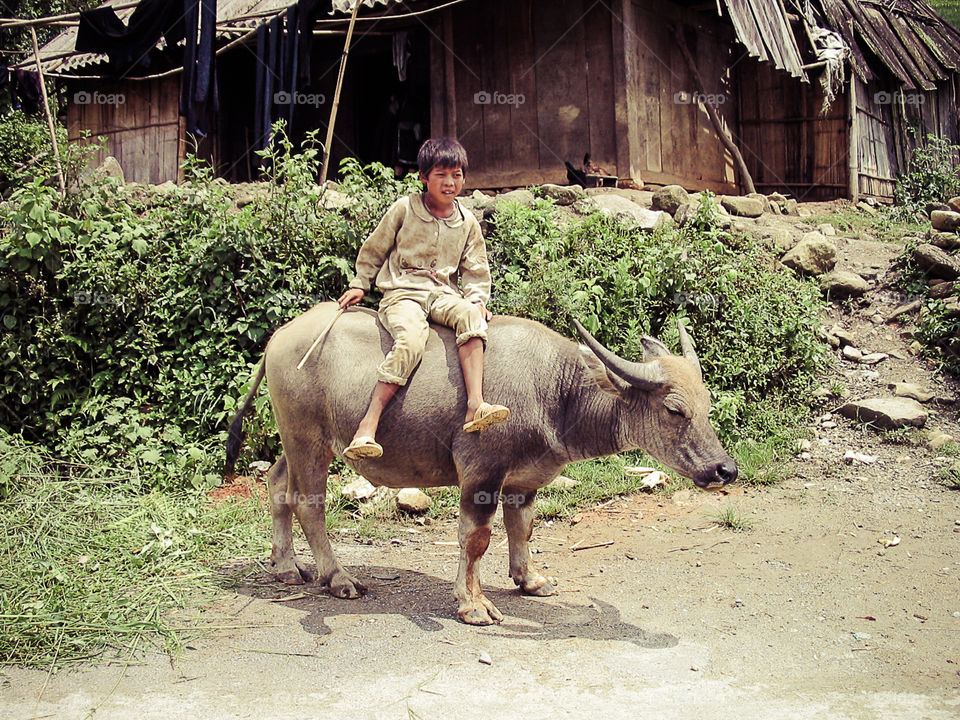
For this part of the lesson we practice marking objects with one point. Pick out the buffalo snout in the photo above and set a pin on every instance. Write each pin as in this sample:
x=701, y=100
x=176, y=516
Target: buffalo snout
x=717, y=475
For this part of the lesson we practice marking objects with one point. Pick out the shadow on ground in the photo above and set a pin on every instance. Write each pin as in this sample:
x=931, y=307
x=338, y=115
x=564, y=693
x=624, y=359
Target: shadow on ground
x=425, y=600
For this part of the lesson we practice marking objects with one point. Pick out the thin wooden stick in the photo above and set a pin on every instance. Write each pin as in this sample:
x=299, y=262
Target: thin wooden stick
x=321, y=336
x=336, y=95
x=725, y=138
x=46, y=110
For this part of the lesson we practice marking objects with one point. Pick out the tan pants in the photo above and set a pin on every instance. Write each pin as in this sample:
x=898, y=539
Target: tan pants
x=405, y=315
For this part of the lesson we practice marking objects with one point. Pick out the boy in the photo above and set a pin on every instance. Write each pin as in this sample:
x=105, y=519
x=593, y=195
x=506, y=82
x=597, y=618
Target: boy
x=422, y=246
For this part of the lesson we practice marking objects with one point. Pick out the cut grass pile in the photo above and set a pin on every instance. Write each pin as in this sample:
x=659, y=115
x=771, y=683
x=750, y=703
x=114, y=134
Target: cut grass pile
x=87, y=566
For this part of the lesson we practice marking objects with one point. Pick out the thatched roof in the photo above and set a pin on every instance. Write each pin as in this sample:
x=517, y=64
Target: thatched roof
x=906, y=37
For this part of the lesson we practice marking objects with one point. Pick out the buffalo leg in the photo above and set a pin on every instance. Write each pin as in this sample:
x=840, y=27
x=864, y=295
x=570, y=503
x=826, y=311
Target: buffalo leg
x=476, y=518
x=283, y=561
x=308, y=466
x=518, y=519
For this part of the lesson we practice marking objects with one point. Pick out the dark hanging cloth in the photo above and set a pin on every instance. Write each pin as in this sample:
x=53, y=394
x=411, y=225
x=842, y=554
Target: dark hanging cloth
x=130, y=47
x=198, y=87
x=283, y=65
x=307, y=13
x=25, y=90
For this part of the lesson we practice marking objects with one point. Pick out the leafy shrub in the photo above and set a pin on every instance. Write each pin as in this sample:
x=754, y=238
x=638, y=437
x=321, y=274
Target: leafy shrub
x=932, y=174
x=754, y=327
x=131, y=318
x=25, y=149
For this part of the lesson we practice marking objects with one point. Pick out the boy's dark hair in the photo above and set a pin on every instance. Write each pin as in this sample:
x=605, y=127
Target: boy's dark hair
x=441, y=152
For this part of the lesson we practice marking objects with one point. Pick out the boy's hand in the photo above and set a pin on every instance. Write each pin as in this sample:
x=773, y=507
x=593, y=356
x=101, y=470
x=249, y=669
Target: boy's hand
x=351, y=297
x=487, y=315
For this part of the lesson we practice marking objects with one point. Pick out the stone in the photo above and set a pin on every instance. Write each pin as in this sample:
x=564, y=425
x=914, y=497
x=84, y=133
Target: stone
x=904, y=309
x=852, y=353
x=791, y=207
x=873, y=358
x=803, y=445
x=669, y=198
x=260, y=466
x=937, y=262
x=522, y=196
x=844, y=336
x=110, y=167
x=359, y=489
x=937, y=439
x=562, y=194
x=850, y=457
x=843, y=283
x=813, y=255
x=944, y=289
x=866, y=207
x=945, y=220
x=948, y=241
x=742, y=206
x=912, y=390
x=780, y=238
x=762, y=198
x=163, y=188
x=336, y=200
x=413, y=500
x=954, y=204
x=886, y=413
x=480, y=199
x=630, y=214
x=827, y=230
x=562, y=481
x=952, y=307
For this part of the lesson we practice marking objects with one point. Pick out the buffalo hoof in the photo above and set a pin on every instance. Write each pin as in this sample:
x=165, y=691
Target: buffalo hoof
x=538, y=587
x=346, y=587
x=480, y=612
x=298, y=575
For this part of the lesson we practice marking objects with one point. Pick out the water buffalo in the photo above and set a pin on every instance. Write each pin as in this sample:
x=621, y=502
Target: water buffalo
x=569, y=402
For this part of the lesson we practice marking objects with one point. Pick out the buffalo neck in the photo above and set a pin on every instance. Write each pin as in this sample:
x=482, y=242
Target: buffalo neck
x=592, y=422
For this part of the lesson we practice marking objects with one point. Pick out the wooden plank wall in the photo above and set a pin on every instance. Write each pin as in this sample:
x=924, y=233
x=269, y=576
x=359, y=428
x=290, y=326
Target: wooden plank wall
x=572, y=65
x=677, y=141
x=141, y=132
x=878, y=160
x=788, y=144
x=558, y=62
x=887, y=118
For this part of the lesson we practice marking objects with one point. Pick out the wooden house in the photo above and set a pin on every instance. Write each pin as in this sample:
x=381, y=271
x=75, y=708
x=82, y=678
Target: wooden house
x=528, y=84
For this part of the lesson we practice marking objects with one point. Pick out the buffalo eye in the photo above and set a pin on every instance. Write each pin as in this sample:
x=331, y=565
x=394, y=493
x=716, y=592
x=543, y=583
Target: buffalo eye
x=675, y=407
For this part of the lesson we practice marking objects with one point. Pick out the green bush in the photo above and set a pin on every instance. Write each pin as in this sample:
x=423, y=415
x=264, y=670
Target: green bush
x=932, y=174
x=25, y=150
x=131, y=319
x=755, y=328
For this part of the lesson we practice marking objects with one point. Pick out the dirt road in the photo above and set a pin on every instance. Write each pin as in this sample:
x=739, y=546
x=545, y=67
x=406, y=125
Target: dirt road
x=804, y=615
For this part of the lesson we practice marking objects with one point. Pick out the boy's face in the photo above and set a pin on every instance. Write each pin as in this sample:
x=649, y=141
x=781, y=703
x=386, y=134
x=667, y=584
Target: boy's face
x=443, y=184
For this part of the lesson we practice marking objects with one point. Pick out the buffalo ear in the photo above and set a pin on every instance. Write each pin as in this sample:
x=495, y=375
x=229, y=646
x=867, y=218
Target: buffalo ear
x=601, y=377
x=653, y=348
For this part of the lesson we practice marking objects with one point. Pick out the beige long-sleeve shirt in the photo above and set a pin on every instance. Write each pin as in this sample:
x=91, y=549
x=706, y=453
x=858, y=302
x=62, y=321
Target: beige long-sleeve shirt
x=413, y=250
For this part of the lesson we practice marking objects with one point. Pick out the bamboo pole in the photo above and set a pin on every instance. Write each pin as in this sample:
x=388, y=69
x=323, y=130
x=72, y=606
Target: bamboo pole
x=336, y=95
x=46, y=110
x=11, y=23
x=725, y=138
x=853, y=150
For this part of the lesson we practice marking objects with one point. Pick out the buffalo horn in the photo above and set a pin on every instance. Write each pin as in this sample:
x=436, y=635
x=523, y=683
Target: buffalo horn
x=646, y=376
x=687, y=346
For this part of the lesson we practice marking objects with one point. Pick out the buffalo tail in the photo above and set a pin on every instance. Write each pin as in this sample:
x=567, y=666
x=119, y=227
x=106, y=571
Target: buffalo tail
x=235, y=433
